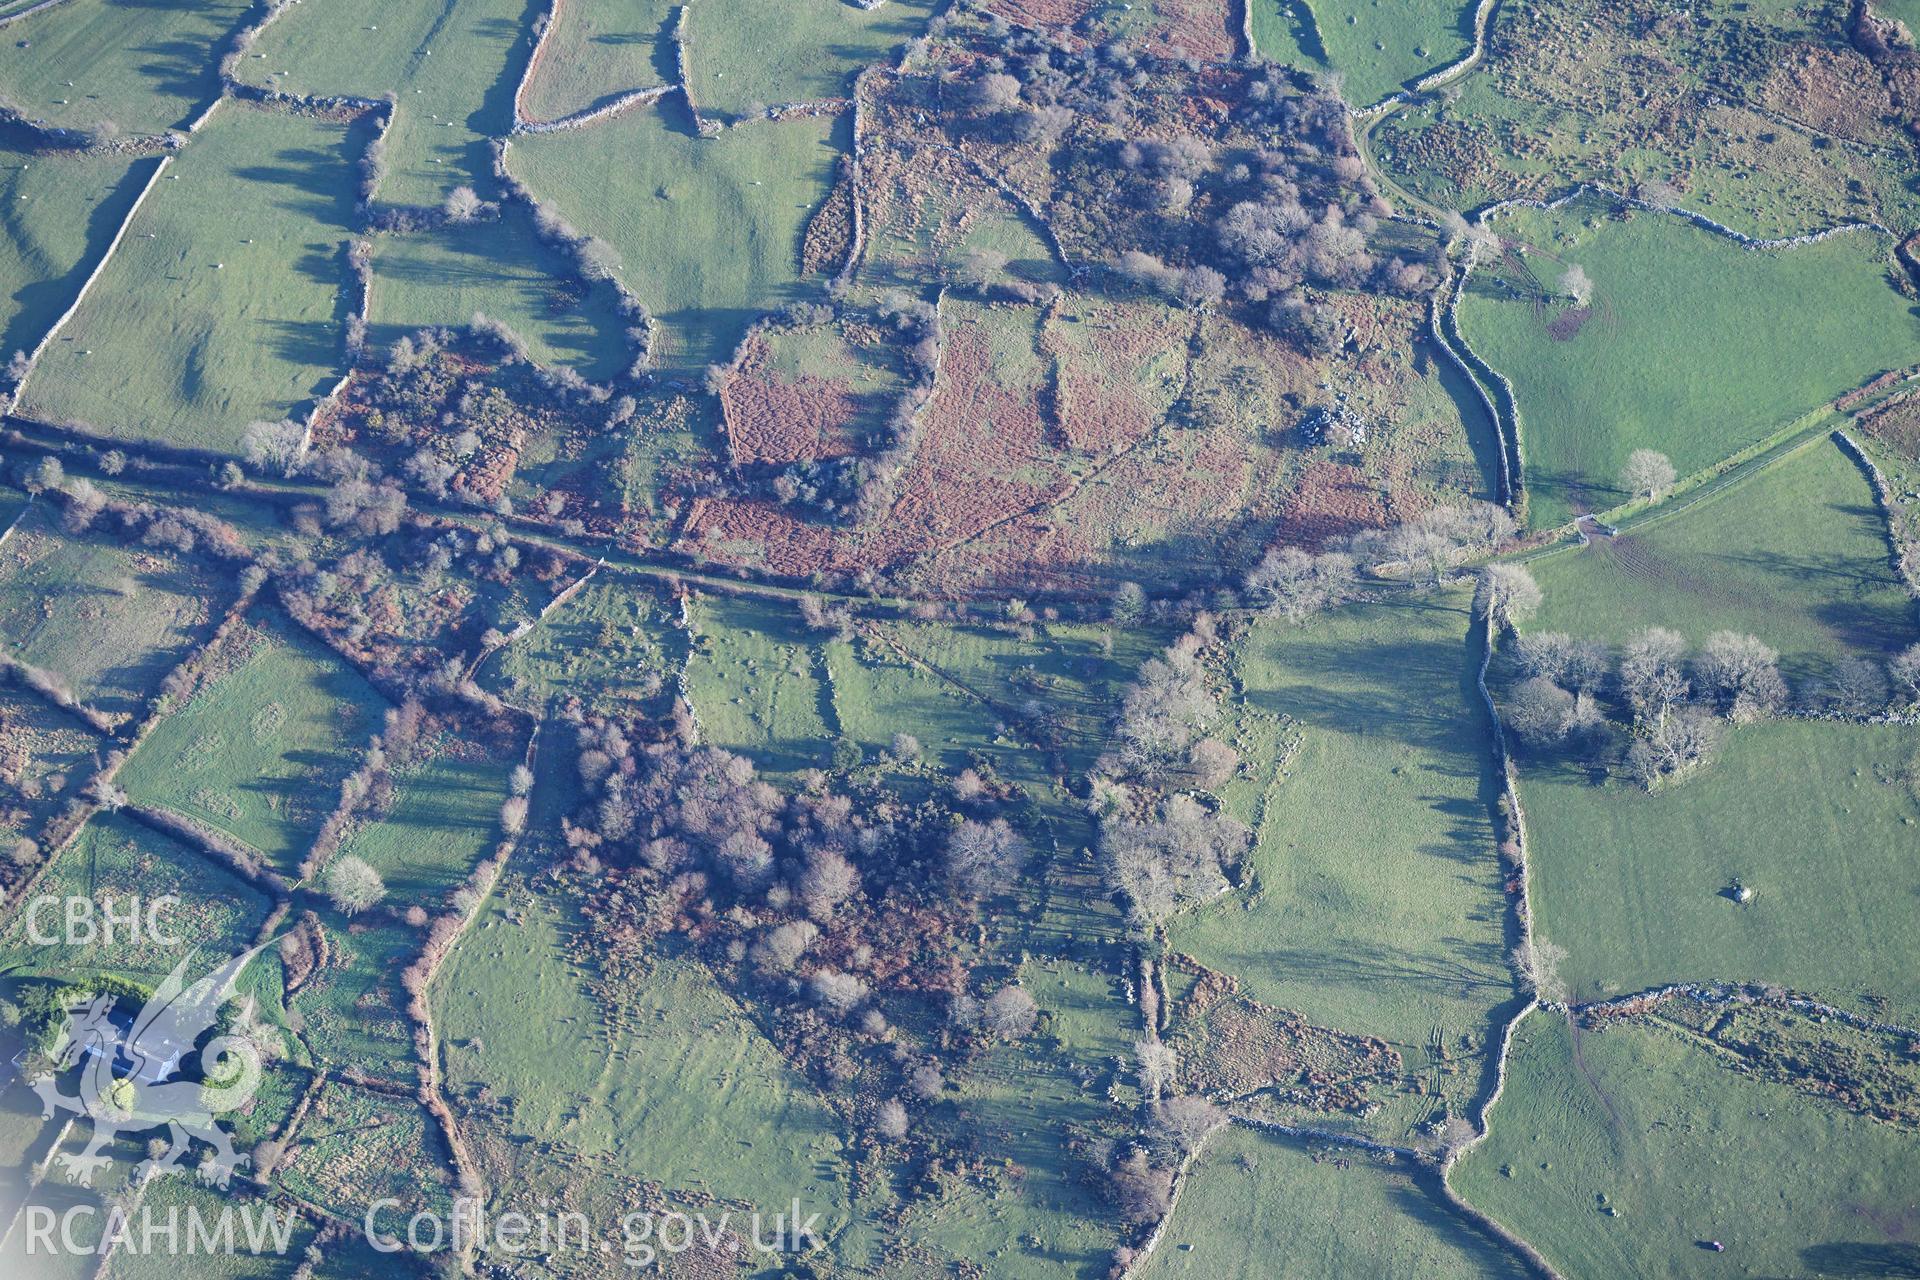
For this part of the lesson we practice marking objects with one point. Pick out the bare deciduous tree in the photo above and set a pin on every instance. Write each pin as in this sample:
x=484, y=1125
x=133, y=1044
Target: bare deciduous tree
x=840, y=992
x=1294, y=585
x=1905, y=670
x=1648, y=473
x=1166, y=864
x=984, y=857
x=1653, y=673
x=1741, y=672
x=1538, y=961
x=1159, y=1066
x=274, y=445
x=1675, y=744
x=1166, y=708
x=353, y=885
x=1579, y=665
x=1857, y=687
x=1575, y=284
x=1506, y=595
x=1009, y=1013
x=1542, y=714
x=1181, y=1125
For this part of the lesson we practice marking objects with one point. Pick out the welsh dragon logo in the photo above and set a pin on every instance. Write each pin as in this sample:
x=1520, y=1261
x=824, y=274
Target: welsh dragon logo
x=130, y=1082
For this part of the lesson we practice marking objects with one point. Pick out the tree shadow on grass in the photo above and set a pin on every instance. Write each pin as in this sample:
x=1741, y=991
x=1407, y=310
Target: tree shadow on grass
x=1849, y=1258
x=40, y=301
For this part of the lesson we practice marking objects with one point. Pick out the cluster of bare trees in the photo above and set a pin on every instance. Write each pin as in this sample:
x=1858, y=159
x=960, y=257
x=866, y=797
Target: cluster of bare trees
x=1165, y=710
x=183, y=529
x=1677, y=701
x=1299, y=585
x=1170, y=861
x=1272, y=202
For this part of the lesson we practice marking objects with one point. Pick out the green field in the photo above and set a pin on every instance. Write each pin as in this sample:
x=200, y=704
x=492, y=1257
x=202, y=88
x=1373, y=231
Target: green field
x=57, y=215
x=649, y=1083
x=1059, y=684
x=357, y=1147
x=111, y=620
x=1796, y=555
x=1031, y=1212
x=614, y=643
x=1260, y=1207
x=745, y=55
x=191, y=333
x=598, y=50
x=449, y=67
x=1818, y=818
x=445, y=820
x=443, y=277
x=259, y=751
x=707, y=230
x=134, y=66
x=118, y=863
x=754, y=680
x=353, y=1014
x=1375, y=903
x=1377, y=46
x=1622, y=1152
x=1696, y=347
x=187, y=1197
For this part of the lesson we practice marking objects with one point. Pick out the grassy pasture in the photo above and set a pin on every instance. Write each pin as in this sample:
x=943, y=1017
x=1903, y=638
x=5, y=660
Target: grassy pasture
x=707, y=230
x=73, y=1257
x=132, y=1261
x=598, y=50
x=1375, y=903
x=1696, y=347
x=57, y=214
x=224, y=302
x=1819, y=818
x=877, y=693
x=443, y=277
x=357, y=1146
x=139, y=66
x=1377, y=45
x=1261, y=1207
x=445, y=820
x=679, y=1087
x=1063, y=670
x=1284, y=31
x=917, y=243
x=115, y=860
x=754, y=680
x=1796, y=555
x=352, y=1014
x=1907, y=11
x=1620, y=1152
x=1020, y=1106
x=744, y=55
x=614, y=643
x=111, y=619
x=451, y=69
x=259, y=750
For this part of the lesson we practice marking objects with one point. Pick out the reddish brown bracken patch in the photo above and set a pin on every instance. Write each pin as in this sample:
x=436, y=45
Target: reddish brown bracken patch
x=980, y=459
x=1056, y=15
x=1332, y=501
x=773, y=420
